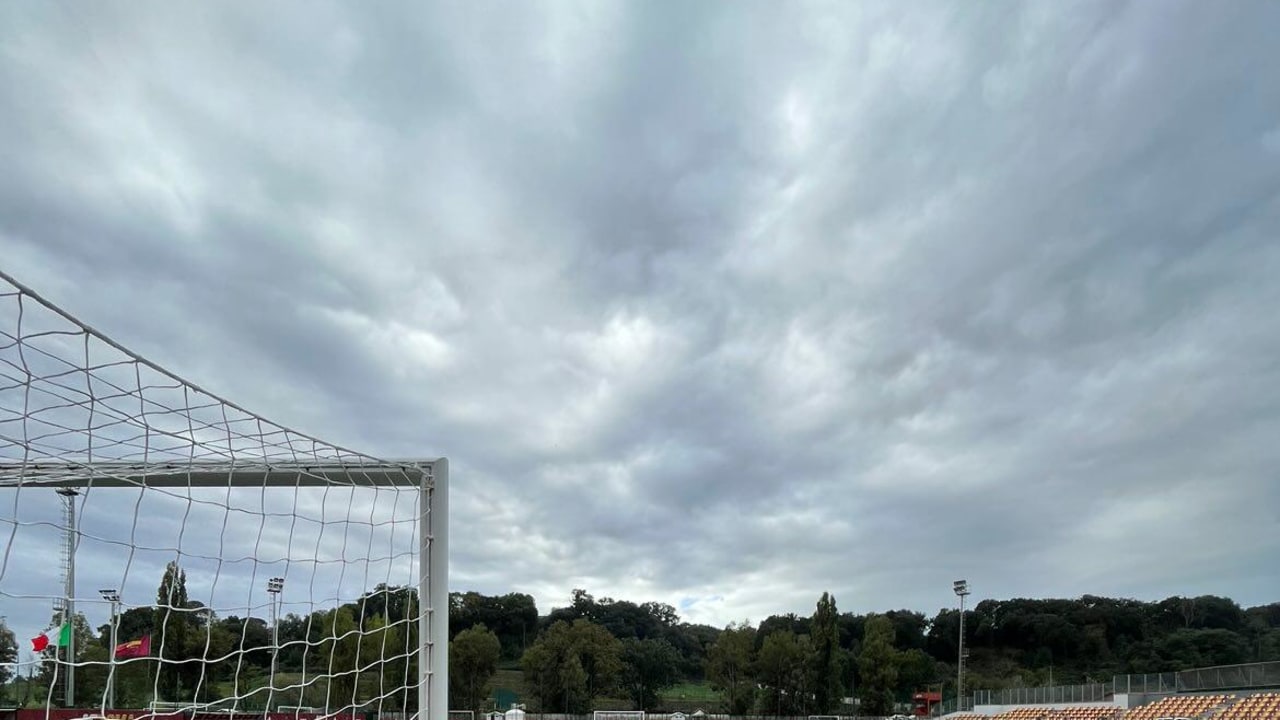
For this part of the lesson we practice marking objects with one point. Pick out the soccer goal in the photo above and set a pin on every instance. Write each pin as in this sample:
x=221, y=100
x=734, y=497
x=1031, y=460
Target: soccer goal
x=618, y=715
x=235, y=563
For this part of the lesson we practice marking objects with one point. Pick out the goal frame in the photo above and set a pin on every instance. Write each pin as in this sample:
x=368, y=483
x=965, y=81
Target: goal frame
x=429, y=476
x=637, y=714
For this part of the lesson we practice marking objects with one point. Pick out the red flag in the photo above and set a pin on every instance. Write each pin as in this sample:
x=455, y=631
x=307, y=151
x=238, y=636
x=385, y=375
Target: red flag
x=39, y=643
x=134, y=648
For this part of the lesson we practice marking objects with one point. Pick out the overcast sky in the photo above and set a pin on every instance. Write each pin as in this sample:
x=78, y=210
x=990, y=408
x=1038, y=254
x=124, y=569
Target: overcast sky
x=717, y=304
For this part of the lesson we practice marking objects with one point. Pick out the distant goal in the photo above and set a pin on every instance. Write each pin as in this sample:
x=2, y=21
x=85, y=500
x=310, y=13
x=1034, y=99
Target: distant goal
x=618, y=715
x=234, y=564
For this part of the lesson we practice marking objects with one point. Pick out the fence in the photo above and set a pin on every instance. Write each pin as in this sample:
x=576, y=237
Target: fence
x=1250, y=676
x=1091, y=692
x=949, y=705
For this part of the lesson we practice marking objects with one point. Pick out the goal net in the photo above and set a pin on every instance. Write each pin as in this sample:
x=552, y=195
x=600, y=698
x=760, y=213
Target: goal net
x=168, y=551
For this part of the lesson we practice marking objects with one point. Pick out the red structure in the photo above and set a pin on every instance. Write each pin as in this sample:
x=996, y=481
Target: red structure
x=924, y=702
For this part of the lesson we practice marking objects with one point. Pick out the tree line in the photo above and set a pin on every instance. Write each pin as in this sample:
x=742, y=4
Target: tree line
x=792, y=664
x=572, y=657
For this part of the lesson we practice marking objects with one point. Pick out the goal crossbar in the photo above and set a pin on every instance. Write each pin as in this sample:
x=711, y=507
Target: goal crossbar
x=215, y=474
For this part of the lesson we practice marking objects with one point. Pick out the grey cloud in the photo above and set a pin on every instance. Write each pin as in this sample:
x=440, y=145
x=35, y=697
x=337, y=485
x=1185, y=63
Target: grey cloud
x=723, y=306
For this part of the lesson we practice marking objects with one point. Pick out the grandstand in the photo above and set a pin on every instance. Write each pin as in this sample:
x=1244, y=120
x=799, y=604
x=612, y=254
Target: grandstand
x=1249, y=706
x=1084, y=712
x=1263, y=706
x=1178, y=706
x=1249, y=691
x=1089, y=712
x=1024, y=713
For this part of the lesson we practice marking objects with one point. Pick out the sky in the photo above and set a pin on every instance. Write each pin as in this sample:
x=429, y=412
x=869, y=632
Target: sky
x=719, y=304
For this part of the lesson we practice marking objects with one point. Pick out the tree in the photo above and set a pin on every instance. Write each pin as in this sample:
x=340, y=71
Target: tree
x=791, y=622
x=908, y=629
x=916, y=670
x=825, y=665
x=252, y=637
x=1186, y=649
x=513, y=618
x=649, y=665
x=340, y=654
x=172, y=626
x=878, y=667
x=622, y=618
x=781, y=670
x=473, y=660
x=692, y=641
x=569, y=665
x=8, y=652
x=729, y=664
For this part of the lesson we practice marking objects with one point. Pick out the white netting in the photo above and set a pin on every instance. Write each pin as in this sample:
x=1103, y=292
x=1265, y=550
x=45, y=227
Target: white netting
x=252, y=567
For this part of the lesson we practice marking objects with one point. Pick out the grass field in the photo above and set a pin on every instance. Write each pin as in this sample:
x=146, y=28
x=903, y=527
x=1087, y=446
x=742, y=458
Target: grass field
x=691, y=692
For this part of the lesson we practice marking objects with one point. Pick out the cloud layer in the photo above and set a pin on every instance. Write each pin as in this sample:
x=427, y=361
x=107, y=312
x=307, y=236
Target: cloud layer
x=722, y=305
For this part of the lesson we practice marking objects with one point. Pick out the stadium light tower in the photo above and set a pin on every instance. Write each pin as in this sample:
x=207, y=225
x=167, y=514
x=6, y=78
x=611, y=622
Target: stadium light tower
x=112, y=596
x=70, y=540
x=961, y=588
x=275, y=586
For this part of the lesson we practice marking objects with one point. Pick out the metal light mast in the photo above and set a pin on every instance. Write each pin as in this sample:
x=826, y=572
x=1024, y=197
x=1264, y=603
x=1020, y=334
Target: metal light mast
x=112, y=596
x=961, y=588
x=69, y=592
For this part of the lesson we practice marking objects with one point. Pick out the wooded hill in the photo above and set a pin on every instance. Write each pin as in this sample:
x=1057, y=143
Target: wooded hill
x=1012, y=643
x=573, y=657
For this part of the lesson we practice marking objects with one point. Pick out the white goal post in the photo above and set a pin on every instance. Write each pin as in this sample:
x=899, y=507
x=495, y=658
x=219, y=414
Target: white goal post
x=618, y=715
x=139, y=476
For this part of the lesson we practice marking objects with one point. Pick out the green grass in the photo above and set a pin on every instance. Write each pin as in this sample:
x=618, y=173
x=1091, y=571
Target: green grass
x=692, y=692
x=509, y=679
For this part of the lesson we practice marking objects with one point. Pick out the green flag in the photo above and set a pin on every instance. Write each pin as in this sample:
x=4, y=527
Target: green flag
x=64, y=636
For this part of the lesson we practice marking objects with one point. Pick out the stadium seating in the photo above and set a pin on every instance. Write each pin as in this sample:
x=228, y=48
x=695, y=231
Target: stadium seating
x=1087, y=712
x=1025, y=713
x=1177, y=706
x=1263, y=706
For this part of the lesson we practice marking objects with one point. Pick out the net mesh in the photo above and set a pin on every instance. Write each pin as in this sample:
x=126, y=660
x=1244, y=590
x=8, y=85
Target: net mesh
x=167, y=550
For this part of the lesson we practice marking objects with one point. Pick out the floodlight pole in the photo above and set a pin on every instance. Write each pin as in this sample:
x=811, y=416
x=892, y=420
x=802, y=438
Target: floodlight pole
x=274, y=586
x=113, y=597
x=961, y=588
x=69, y=603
